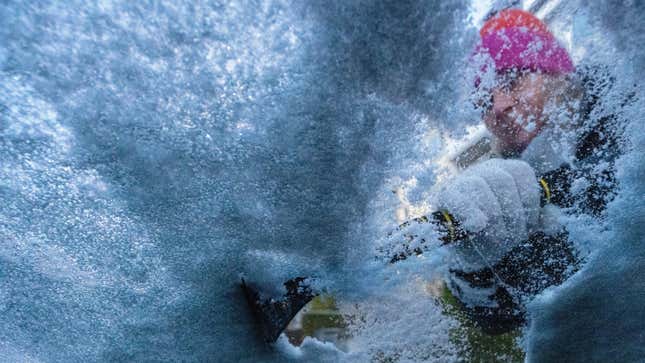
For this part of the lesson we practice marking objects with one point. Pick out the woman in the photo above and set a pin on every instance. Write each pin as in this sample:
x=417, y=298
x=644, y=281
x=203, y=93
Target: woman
x=533, y=103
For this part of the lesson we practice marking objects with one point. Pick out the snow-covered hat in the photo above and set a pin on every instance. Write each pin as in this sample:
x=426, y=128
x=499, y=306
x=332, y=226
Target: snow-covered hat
x=516, y=39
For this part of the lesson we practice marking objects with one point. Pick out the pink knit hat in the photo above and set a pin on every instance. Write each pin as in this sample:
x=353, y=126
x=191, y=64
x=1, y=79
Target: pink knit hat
x=516, y=39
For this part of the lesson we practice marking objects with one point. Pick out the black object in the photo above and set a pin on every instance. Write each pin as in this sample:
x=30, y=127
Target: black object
x=541, y=261
x=274, y=314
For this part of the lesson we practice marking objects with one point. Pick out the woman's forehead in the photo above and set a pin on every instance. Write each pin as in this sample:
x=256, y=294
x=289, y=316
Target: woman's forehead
x=503, y=79
x=515, y=80
x=516, y=74
x=519, y=79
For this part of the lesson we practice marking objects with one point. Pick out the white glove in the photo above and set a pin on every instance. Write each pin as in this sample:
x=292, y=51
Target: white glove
x=497, y=199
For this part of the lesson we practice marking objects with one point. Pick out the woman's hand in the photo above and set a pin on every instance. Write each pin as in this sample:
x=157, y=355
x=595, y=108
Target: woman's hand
x=498, y=199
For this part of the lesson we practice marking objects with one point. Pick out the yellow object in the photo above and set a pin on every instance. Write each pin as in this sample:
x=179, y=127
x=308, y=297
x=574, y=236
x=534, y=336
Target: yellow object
x=547, y=191
x=451, y=227
x=320, y=319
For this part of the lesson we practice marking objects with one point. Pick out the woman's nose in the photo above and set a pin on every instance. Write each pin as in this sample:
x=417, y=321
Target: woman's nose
x=502, y=102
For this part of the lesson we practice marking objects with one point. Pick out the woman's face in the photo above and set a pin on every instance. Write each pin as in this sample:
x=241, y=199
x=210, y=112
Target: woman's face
x=515, y=114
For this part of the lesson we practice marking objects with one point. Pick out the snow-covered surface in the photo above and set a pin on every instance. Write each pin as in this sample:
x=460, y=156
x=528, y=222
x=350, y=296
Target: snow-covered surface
x=152, y=153
x=598, y=314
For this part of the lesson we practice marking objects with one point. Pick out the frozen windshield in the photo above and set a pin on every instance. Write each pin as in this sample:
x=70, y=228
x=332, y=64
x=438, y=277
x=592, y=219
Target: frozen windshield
x=154, y=153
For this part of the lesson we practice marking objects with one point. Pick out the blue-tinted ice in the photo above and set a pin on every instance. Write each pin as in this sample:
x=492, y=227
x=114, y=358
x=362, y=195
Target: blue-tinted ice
x=152, y=153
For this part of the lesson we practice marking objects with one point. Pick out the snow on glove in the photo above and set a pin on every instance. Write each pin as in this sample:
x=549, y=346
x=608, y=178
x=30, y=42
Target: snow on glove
x=497, y=199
